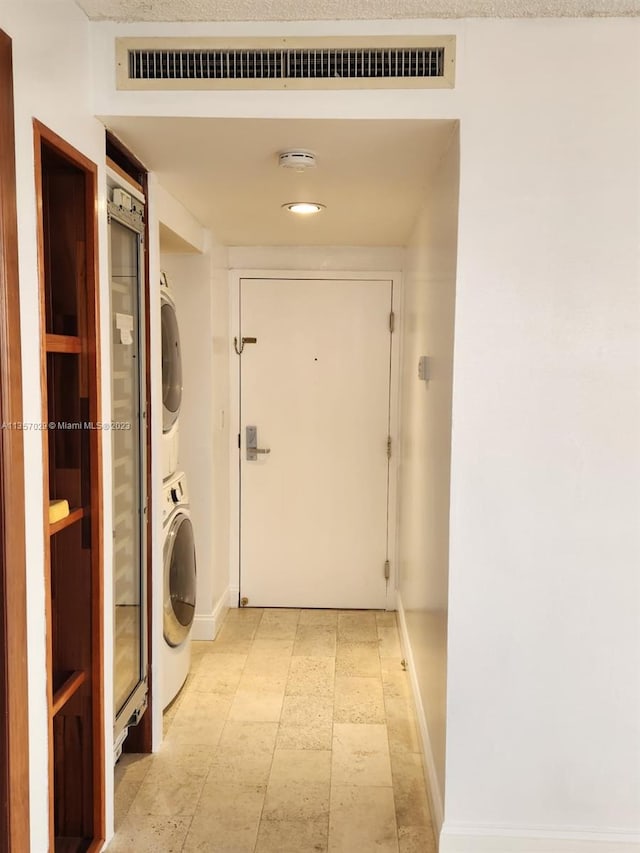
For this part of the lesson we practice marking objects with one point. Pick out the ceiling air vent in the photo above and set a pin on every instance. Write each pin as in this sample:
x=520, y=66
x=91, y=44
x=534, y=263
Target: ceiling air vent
x=375, y=63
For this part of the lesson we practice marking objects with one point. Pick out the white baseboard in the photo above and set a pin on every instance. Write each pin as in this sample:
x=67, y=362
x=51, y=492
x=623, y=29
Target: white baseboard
x=206, y=626
x=234, y=595
x=511, y=840
x=431, y=776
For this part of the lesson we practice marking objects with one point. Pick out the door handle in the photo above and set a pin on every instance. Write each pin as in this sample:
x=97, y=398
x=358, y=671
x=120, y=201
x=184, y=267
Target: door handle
x=252, y=444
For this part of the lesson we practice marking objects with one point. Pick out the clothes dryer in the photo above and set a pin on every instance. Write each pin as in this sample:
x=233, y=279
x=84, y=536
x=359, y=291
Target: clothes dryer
x=179, y=584
x=171, y=378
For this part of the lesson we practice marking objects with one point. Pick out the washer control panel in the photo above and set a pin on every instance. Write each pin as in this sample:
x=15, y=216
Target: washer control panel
x=174, y=493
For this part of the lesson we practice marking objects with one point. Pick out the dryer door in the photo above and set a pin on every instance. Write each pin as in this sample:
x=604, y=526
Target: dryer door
x=179, y=580
x=171, y=366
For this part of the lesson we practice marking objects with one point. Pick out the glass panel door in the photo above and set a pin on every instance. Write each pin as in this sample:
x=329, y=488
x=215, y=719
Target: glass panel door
x=128, y=447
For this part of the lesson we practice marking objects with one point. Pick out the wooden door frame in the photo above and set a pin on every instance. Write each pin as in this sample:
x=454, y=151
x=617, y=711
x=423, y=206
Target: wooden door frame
x=14, y=749
x=235, y=277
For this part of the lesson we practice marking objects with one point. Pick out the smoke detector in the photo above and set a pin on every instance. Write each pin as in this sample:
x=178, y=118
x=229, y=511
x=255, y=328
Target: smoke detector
x=297, y=159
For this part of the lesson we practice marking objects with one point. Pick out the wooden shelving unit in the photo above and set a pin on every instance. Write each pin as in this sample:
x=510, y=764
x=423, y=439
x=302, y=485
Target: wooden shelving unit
x=66, y=187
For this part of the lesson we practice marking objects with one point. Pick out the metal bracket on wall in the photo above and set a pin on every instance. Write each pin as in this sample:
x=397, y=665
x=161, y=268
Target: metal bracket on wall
x=243, y=341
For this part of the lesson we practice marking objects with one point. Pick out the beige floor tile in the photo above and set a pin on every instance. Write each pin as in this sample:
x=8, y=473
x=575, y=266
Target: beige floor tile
x=170, y=711
x=231, y=647
x=363, y=819
x=249, y=736
x=403, y=735
x=250, y=769
x=306, y=723
x=318, y=736
x=219, y=673
x=306, y=710
x=386, y=618
x=416, y=839
x=198, y=649
x=409, y=790
x=171, y=790
x=245, y=753
x=268, y=662
x=271, y=647
x=146, y=834
x=167, y=719
x=395, y=680
x=226, y=820
x=243, y=615
x=360, y=755
x=129, y=774
x=358, y=700
x=319, y=617
x=292, y=765
x=196, y=758
x=298, y=786
x=315, y=640
x=358, y=659
x=292, y=836
x=295, y=733
x=401, y=724
x=257, y=705
x=278, y=624
x=214, y=704
x=357, y=626
x=311, y=676
x=400, y=707
x=389, y=641
x=272, y=680
x=236, y=632
x=132, y=768
x=197, y=725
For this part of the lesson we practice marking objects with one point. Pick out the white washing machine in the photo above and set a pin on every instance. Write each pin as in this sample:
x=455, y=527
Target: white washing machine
x=179, y=583
x=171, y=378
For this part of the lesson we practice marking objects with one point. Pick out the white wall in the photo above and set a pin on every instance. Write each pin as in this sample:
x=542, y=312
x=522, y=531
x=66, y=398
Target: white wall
x=51, y=83
x=429, y=274
x=543, y=720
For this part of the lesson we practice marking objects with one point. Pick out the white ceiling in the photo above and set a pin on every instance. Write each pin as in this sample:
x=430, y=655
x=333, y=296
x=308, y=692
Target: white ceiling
x=371, y=175
x=323, y=10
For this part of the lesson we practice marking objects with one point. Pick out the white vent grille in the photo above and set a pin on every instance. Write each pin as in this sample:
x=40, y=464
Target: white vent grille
x=284, y=63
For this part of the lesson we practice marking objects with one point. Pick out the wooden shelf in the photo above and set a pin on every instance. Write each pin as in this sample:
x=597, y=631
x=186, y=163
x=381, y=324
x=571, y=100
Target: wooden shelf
x=67, y=844
x=63, y=343
x=69, y=291
x=67, y=689
x=74, y=515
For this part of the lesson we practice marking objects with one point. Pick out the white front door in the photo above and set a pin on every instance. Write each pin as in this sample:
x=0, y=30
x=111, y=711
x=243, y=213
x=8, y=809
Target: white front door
x=315, y=385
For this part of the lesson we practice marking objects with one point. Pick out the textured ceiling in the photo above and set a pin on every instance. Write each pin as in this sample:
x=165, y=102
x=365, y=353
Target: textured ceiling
x=330, y=10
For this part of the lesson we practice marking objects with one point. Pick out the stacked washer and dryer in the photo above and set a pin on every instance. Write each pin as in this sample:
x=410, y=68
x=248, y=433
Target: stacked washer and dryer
x=179, y=557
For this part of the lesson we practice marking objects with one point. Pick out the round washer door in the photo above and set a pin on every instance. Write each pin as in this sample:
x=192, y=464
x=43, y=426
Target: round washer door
x=171, y=366
x=179, y=580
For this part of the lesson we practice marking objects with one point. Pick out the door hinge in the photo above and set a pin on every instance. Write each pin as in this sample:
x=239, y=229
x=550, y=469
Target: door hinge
x=387, y=569
x=389, y=447
x=392, y=321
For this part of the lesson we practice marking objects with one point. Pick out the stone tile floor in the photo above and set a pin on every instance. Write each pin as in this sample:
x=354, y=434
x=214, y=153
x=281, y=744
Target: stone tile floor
x=294, y=733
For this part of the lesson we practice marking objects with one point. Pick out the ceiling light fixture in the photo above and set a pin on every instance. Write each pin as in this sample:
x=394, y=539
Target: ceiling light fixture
x=303, y=208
